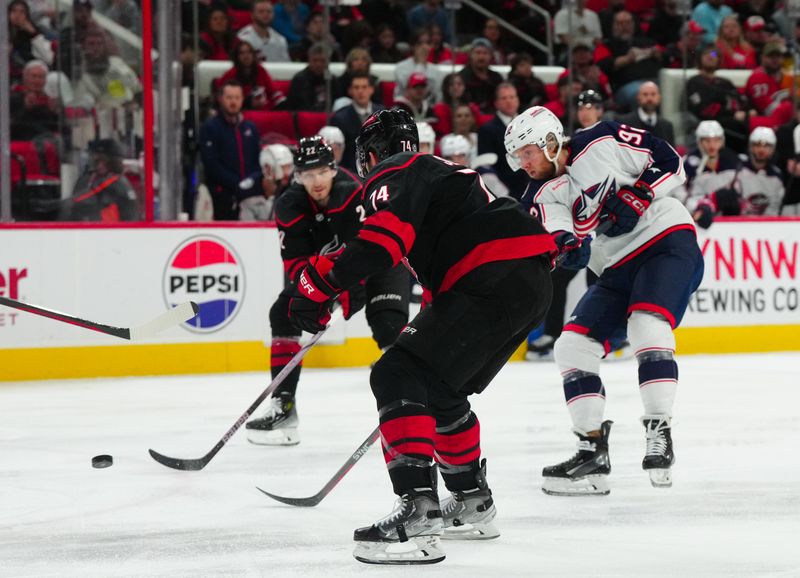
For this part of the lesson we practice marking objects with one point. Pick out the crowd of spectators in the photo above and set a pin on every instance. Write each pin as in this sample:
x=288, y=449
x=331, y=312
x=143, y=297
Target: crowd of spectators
x=66, y=68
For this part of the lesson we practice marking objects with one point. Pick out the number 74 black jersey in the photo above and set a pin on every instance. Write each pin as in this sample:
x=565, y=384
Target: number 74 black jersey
x=441, y=219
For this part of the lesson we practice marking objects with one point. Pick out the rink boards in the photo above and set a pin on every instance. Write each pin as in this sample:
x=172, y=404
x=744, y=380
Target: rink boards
x=749, y=300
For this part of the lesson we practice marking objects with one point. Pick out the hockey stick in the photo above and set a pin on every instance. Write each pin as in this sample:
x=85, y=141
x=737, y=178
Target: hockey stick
x=602, y=228
x=175, y=316
x=199, y=463
x=337, y=477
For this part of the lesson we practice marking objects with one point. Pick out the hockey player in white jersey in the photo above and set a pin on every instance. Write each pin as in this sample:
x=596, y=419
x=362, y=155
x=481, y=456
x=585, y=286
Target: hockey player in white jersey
x=761, y=182
x=615, y=179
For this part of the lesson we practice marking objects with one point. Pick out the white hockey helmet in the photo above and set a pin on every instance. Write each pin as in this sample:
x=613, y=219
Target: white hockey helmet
x=454, y=144
x=276, y=157
x=426, y=135
x=332, y=135
x=537, y=126
x=763, y=134
x=709, y=129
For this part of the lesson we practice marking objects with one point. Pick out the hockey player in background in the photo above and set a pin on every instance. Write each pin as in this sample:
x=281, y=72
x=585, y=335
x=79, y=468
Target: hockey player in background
x=486, y=263
x=458, y=149
x=615, y=179
x=317, y=216
x=760, y=181
x=277, y=166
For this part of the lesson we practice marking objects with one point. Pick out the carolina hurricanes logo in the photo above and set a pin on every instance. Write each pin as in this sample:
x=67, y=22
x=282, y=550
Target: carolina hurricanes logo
x=593, y=196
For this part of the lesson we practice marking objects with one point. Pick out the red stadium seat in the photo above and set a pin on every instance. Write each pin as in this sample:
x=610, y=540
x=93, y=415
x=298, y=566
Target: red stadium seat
x=551, y=90
x=387, y=93
x=35, y=178
x=267, y=121
x=309, y=123
x=282, y=85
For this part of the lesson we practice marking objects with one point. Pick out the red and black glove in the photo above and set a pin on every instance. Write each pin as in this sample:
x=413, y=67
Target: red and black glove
x=310, y=307
x=625, y=208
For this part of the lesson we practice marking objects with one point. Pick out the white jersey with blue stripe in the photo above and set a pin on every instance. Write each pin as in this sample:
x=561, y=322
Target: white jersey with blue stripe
x=603, y=158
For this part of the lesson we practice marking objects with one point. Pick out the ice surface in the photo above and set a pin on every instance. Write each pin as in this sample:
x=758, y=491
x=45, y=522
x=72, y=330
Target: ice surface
x=734, y=508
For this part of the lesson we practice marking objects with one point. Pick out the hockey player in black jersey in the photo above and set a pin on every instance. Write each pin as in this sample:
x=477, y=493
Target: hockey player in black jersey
x=486, y=264
x=319, y=215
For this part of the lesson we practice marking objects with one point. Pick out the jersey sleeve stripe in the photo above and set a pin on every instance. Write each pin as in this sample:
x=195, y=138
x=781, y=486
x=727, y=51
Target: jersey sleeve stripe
x=291, y=266
x=290, y=223
x=388, y=242
x=391, y=222
x=497, y=250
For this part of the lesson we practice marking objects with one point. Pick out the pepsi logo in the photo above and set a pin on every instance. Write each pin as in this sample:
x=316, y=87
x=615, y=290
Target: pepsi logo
x=205, y=269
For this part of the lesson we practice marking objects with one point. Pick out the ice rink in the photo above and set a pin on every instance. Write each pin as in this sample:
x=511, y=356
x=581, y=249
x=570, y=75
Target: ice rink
x=734, y=509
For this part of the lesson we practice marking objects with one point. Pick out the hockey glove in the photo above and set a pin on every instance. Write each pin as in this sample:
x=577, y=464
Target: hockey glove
x=704, y=215
x=310, y=307
x=727, y=202
x=353, y=300
x=625, y=207
x=572, y=253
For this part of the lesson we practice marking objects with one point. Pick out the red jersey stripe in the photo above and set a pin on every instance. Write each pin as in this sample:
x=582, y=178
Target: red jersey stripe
x=391, y=222
x=389, y=244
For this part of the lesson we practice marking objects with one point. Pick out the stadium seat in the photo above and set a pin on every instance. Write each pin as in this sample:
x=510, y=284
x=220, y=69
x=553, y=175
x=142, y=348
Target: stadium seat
x=387, y=93
x=239, y=18
x=35, y=178
x=309, y=123
x=282, y=85
x=267, y=121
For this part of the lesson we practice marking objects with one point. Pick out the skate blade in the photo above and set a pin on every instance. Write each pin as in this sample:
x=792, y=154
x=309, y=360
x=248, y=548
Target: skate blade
x=417, y=550
x=660, y=477
x=275, y=437
x=483, y=531
x=587, y=486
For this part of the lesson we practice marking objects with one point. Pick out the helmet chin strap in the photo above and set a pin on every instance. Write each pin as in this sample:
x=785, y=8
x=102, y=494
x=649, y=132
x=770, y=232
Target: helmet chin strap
x=554, y=158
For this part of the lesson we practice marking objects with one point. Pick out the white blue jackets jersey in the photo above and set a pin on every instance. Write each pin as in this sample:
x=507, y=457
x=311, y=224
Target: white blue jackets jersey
x=762, y=190
x=701, y=181
x=602, y=158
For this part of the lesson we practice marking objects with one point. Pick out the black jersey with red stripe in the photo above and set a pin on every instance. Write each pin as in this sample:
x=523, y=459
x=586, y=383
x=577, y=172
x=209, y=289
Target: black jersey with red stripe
x=441, y=218
x=307, y=230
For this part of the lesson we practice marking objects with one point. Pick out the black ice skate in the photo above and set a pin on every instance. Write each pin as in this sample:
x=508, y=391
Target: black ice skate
x=468, y=514
x=659, y=457
x=409, y=535
x=277, y=425
x=585, y=473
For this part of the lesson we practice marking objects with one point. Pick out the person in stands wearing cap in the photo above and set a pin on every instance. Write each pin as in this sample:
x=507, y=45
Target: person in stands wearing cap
x=350, y=118
x=734, y=51
x=418, y=62
x=480, y=80
x=709, y=15
x=767, y=88
x=646, y=114
x=585, y=71
x=415, y=98
x=756, y=33
x=684, y=53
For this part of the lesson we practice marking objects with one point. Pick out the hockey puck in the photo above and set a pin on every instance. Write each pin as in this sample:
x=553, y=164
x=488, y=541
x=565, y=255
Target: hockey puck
x=102, y=461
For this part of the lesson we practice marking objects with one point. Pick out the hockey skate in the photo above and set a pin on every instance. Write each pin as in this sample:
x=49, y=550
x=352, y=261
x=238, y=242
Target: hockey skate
x=277, y=425
x=409, y=535
x=585, y=473
x=659, y=457
x=540, y=349
x=468, y=514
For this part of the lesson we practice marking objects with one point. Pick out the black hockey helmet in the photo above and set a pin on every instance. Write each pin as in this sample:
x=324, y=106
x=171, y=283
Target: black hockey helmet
x=385, y=133
x=313, y=152
x=589, y=98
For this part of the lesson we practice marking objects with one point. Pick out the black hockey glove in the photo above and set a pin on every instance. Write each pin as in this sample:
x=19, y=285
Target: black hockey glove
x=625, y=207
x=727, y=202
x=310, y=307
x=572, y=253
x=704, y=215
x=353, y=300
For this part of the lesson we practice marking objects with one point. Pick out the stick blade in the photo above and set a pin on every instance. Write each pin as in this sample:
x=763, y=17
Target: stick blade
x=191, y=465
x=299, y=502
x=175, y=316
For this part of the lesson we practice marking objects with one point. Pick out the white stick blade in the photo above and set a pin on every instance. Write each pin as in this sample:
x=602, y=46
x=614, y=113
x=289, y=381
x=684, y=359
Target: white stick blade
x=174, y=316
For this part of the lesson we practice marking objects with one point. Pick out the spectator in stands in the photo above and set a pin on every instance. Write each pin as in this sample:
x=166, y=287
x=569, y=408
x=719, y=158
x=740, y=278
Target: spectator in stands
x=761, y=8
x=126, y=13
x=33, y=113
x=787, y=157
x=755, y=33
x=647, y=116
x=387, y=12
x=587, y=72
x=734, y=51
x=290, y=19
x=454, y=93
x=760, y=181
x=73, y=37
x=102, y=193
x=633, y=60
x=343, y=19
x=585, y=27
x=27, y=41
x=492, y=32
x=767, y=87
x=690, y=44
x=358, y=61
x=711, y=97
x=217, y=39
x=466, y=124
x=106, y=80
x=315, y=33
x=385, y=48
x=709, y=14
x=229, y=150
x=440, y=50
x=491, y=138
x=480, y=80
x=665, y=27
x=530, y=89
x=427, y=13
x=334, y=136
x=268, y=42
x=589, y=108
x=566, y=92
x=350, y=118
x=415, y=98
x=308, y=88
x=418, y=62
x=259, y=92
